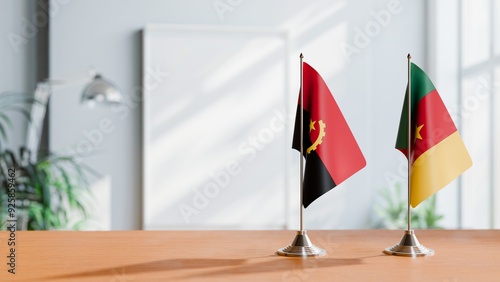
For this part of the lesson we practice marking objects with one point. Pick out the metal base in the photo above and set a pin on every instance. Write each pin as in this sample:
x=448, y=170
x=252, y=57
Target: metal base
x=409, y=247
x=301, y=247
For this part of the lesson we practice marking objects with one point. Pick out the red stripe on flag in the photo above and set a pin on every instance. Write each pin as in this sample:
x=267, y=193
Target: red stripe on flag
x=339, y=150
x=435, y=121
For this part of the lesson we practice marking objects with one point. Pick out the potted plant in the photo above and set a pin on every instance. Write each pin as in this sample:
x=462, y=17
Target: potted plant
x=50, y=193
x=392, y=212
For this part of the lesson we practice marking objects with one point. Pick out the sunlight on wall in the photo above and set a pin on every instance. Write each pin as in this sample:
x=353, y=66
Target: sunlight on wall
x=100, y=208
x=209, y=153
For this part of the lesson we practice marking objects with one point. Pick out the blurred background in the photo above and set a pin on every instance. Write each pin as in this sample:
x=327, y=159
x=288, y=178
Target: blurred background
x=202, y=136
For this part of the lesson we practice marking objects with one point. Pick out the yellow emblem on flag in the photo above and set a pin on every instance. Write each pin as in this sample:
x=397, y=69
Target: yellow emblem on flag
x=321, y=134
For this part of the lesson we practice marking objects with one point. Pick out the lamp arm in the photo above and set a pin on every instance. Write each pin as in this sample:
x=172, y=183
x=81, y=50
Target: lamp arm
x=38, y=110
x=99, y=88
x=71, y=81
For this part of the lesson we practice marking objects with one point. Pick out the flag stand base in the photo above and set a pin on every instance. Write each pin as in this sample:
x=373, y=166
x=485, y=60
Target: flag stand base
x=301, y=247
x=409, y=247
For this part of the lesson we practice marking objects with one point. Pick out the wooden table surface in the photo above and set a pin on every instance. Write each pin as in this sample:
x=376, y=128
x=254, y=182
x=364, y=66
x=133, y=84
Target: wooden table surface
x=353, y=255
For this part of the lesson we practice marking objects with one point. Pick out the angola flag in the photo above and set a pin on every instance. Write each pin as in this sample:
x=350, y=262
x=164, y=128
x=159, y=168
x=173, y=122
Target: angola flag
x=438, y=154
x=330, y=150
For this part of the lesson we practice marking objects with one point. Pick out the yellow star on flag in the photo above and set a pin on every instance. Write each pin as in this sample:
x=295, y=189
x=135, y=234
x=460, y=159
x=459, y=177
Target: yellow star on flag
x=417, y=132
x=311, y=125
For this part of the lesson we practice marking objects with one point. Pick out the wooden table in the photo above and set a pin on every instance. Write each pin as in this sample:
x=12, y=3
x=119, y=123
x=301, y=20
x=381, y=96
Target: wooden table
x=116, y=256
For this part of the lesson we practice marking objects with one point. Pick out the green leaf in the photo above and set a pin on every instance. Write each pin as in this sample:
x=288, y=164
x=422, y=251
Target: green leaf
x=55, y=185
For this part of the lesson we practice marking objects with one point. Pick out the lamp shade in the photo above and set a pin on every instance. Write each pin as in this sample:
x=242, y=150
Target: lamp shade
x=101, y=91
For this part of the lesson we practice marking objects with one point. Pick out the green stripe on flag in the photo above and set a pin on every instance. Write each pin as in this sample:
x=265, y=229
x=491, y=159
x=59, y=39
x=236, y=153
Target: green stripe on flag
x=421, y=85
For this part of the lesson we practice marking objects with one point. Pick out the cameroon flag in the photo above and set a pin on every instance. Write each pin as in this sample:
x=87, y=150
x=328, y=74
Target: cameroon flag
x=438, y=154
x=330, y=150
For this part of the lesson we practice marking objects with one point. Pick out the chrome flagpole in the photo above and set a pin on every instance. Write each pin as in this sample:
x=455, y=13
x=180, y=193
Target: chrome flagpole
x=301, y=206
x=409, y=245
x=301, y=245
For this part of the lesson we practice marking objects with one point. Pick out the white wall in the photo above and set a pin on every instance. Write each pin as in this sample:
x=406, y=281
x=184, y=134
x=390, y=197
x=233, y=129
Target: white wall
x=17, y=57
x=368, y=85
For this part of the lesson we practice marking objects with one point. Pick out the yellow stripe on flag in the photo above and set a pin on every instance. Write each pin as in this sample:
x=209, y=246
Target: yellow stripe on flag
x=437, y=167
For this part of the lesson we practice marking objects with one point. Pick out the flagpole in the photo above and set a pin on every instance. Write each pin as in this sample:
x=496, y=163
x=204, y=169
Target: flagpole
x=301, y=245
x=409, y=246
x=301, y=207
x=409, y=140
